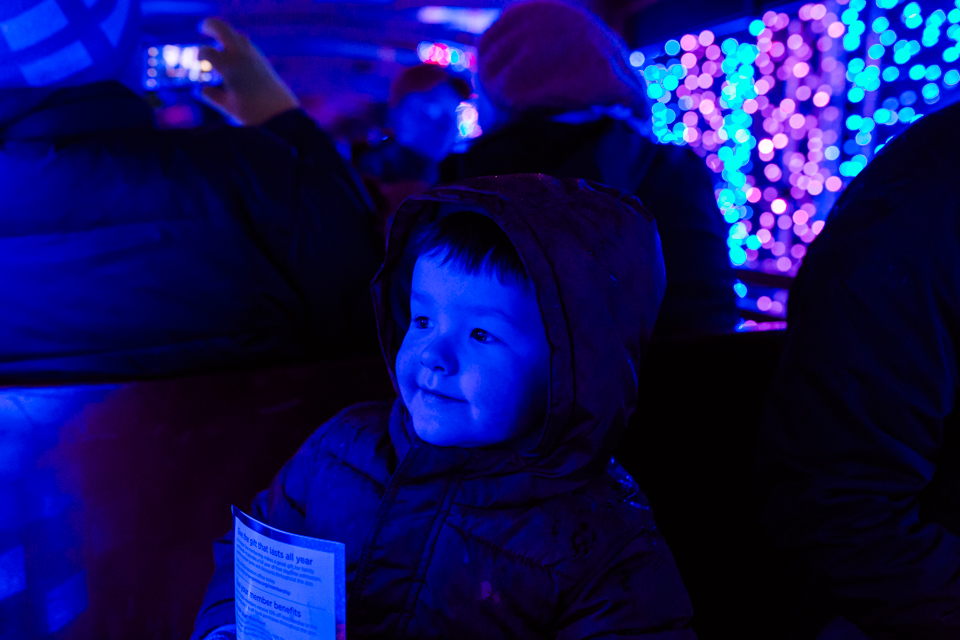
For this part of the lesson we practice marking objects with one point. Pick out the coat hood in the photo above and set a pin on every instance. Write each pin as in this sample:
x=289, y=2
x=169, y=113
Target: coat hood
x=593, y=255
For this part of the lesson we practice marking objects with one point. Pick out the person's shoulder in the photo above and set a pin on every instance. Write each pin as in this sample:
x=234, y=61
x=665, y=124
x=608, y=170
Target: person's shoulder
x=358, y=423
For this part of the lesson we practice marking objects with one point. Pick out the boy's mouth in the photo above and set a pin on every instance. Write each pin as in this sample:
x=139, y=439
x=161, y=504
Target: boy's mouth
x=439, y=396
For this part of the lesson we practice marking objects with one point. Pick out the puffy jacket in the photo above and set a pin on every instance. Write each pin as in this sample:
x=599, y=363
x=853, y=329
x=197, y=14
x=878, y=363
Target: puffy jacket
x=860, y=445
x=127, y=251
x=552, y=541
x=672, y=183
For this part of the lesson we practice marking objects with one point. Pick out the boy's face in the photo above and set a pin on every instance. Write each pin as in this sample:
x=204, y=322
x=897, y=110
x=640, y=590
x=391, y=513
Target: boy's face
x=474, y=366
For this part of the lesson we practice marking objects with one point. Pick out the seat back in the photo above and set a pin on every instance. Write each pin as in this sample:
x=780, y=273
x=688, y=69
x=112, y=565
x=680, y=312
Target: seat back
x=691, y=446
x=111, y=494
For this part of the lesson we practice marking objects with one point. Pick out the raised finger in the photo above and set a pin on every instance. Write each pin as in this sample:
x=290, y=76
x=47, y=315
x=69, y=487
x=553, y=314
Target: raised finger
x=221, y=31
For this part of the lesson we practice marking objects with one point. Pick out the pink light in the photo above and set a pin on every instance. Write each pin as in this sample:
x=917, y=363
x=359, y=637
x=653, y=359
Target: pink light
x=800, y=216
x=750, y=106
x=764, y=303
x=800, y=70
x=777, y=50
x=762, y=86
x=778, y=249
x=834, y=184
x=706, y=38
x=837, y=29
x=803, y=93
x=795, y=41
x=767, y=220
x=688, y=60
x=706, y=107
x=784, y=264
x=810, y=168
x=815, y=188
x=688, y=42
x=782, y=21
x=804, y=12
x=778, y=206
x=818, y=12
x=817, y=226
x=772, y=172
x=797, y=120
x=824, y=43
x=765, y=145
x=800, y=230
x=780, y=140
x=787, y=105
x=691, y=82
x=798, y=251
x=754, y=195
x=821, y=99
x=690, y=118
x=705, y=81
x=690, y=134
x=770, y=18
x=713, y=52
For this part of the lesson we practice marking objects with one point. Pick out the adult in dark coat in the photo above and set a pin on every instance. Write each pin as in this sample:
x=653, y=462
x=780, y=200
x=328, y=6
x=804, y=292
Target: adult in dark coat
x=126, y=251
x=548, y=539
x=860, y=446
x=569, y=97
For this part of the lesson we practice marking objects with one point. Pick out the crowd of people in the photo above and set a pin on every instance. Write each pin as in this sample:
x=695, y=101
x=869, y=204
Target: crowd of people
x=515, y=288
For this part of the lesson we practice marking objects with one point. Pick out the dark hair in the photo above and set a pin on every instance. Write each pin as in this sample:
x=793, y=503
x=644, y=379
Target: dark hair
x=473, y=242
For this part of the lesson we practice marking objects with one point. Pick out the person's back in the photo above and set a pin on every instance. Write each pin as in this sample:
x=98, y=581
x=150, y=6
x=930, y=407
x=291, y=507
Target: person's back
x=127, y=251
x=570, y=112
x=484, y=503
x=860, y=446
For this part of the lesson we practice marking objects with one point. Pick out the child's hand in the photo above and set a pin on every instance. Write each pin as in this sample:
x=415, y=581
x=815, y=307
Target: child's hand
x=252, y=92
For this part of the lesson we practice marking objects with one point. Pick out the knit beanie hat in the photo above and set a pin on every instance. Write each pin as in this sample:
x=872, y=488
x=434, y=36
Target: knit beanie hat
x=49, y=43
x=548, y=54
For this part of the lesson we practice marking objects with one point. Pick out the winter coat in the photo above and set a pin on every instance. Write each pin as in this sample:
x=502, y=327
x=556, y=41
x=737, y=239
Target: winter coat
x=860, y=446
x=127, y=251
x=554, y=540
x=671, y=182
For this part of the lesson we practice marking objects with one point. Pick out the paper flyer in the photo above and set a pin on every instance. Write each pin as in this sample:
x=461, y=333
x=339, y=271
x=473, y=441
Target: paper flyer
x=288, y=586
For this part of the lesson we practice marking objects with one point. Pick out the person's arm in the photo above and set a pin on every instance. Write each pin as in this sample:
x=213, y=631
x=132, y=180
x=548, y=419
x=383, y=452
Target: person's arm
x=636, y=594
x=854, y=429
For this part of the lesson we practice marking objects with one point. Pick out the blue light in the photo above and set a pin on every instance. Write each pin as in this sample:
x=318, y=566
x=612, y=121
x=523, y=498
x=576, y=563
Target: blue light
x=936, y=18
x=729, y=46
x=672, y=47
x=851, y=42
x=907, y=98
x=867, y=125
x=933, y=72
x=951, y=78
x=891, y=104
x=917, y=71
x=849, y=16
x=880, y=25
x=737, y=256
x=954, y=16
x=907, y=114
x=882, y=116
x=853, y=122
x=876, y=51
x=856, y=65
x=891, y=73
x=740, y=288
x=930, y=91
x=951, y=54
x=888, y=37
x=756, y=27
x=855, y=94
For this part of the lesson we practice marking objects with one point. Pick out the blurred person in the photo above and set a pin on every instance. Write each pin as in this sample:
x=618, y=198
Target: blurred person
x=126, y=251
x=422, y=131
x=860, y=444
x=483, y=502
x=571, y=105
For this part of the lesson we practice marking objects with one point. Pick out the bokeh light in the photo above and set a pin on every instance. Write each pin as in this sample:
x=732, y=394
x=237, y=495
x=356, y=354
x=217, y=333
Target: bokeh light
x=790, y=111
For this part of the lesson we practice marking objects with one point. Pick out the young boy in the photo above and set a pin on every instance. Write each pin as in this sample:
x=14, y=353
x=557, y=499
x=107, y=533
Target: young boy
x=484, y=503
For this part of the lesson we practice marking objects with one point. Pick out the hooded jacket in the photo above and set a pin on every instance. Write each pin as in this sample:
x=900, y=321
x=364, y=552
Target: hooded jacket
x=552, y=541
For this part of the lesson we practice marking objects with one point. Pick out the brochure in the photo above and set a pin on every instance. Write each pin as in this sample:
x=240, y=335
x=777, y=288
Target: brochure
x=288, y=586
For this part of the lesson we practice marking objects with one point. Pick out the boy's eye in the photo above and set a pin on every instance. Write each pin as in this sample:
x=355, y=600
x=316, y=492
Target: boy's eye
x=421, y=322
x=481, y=336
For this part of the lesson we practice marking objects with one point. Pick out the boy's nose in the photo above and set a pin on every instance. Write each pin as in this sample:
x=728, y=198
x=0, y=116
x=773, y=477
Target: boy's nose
x=437, y=356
